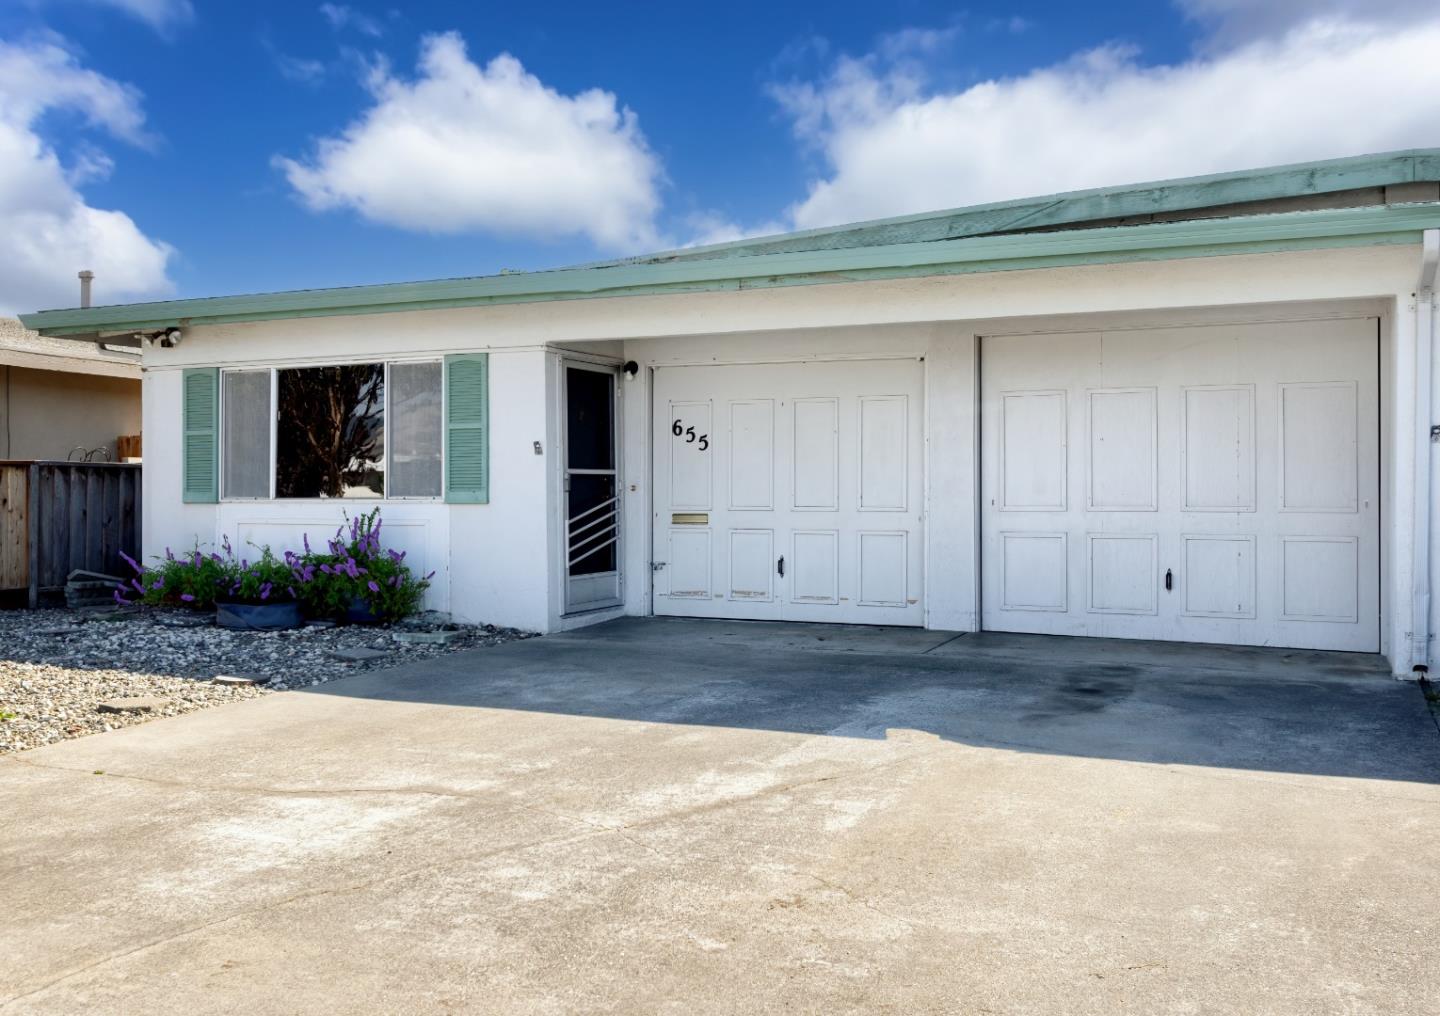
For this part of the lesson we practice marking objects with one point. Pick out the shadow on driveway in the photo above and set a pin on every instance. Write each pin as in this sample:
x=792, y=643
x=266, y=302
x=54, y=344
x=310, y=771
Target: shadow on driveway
x=1332, y=714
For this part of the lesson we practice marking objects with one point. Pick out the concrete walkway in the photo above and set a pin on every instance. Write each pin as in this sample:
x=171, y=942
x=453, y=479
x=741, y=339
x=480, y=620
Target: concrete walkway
x=704, y=817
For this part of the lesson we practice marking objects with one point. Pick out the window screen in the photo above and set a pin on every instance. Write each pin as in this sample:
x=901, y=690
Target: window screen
x=415, y=429
x=246, y=412
x=330, y=431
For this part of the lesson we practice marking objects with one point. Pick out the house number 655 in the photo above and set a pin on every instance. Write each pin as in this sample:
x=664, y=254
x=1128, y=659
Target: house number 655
x=679, y=429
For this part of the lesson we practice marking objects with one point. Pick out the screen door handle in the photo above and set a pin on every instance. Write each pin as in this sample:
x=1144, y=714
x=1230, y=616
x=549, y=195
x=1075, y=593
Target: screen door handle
x=780, y=566
x=1169, y=580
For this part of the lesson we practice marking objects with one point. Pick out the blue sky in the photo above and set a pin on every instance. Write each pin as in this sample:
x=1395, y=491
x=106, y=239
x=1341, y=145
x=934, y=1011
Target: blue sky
x=191, y=148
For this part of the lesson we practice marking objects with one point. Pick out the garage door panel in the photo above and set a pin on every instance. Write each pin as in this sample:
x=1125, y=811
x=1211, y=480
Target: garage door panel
x=1122, y=573
x=1218, y=448
x=884, y=563
x=817, y=455
x=1319, y=445
x=1227, y=497
x=1218, y=576
x=691, y=466
x=1319, y=578
x=1122, y=474
x=752, y=564
x=884, y=421
x=1033, y=459
x=815, y=562
x=1035, y=572
x=751, y=450
x=688, y=563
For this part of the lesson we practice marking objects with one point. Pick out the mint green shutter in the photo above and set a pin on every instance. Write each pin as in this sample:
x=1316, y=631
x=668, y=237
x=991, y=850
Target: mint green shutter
x=200, y=409
x=467, y=428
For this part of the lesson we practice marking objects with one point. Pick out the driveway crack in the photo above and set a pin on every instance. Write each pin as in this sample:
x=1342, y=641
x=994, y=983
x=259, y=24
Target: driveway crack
x=855, y=897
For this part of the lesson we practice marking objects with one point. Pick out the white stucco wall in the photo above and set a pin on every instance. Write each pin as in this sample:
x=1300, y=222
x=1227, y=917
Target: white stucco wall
x=503, y=560
x=491, y=561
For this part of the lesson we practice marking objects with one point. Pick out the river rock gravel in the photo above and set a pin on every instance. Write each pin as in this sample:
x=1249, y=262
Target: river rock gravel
x=58, y=666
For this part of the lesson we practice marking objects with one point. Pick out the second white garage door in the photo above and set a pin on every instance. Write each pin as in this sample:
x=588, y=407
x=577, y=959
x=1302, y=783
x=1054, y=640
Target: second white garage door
x=790, y=491
x=1203, y=484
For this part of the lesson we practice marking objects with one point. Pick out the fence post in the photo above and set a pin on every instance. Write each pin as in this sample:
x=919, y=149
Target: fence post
x=32, y=509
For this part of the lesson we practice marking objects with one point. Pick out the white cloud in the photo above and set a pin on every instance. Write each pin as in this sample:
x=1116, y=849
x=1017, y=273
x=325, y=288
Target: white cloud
x=1237, y=21
x=1013, y=25
x=1326, y=88
x=293, y=68
x=159, y=14
x=342, y=17
x=50, y=232
x=467, y=148
x=712, y=227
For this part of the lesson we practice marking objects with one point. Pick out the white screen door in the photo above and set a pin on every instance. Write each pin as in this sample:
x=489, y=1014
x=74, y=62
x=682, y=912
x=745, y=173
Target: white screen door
x=592, y=494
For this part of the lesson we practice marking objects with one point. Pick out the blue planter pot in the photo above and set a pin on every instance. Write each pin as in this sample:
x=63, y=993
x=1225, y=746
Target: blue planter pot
x=360, y=613
x=258, y=616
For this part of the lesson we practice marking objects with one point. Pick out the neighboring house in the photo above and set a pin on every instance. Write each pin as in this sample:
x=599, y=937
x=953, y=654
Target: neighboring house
x=58, y=397
x=1184, y=410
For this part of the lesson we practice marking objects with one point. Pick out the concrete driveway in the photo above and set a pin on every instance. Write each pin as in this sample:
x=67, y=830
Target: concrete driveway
x=697, y=817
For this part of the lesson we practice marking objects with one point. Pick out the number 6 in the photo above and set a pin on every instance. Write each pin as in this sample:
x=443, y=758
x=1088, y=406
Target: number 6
x=676, y=429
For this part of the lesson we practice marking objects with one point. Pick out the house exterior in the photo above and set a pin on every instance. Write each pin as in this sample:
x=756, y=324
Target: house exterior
x=1198, y=410
x=59, y=398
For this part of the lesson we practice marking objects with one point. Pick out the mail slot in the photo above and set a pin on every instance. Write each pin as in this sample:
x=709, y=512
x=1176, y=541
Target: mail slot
x=690, y=519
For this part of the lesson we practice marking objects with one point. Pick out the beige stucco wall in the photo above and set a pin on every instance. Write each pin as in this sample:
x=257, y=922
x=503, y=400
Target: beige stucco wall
x=46, y=413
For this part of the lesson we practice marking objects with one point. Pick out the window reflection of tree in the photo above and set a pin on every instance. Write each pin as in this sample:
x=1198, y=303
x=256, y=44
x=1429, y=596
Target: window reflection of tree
x=331, y=432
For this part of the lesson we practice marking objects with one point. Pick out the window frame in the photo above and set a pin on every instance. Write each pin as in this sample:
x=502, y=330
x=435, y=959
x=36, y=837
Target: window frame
x=274, y=372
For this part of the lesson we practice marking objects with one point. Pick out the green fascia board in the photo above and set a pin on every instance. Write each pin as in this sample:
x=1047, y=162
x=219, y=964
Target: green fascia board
x=1099, y=204
x=1364, y=226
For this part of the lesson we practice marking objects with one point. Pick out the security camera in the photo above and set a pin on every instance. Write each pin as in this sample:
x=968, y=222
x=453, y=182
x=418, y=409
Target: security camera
x=169, y=338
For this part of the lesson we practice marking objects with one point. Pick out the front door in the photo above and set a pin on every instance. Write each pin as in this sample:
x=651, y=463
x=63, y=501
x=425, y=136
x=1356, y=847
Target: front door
x=592, y=496
x=790, y=491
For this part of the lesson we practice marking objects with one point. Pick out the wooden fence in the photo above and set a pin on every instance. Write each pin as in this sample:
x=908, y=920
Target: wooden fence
x=57, y=517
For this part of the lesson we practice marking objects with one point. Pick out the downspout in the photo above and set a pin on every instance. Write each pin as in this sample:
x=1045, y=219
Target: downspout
x=1425, y=436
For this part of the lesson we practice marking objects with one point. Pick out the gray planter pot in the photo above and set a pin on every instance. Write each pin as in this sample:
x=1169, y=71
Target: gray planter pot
x=258, y=616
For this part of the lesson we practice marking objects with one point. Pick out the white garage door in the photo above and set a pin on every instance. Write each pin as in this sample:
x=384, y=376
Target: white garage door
x=789, y=491
x=1202, y=484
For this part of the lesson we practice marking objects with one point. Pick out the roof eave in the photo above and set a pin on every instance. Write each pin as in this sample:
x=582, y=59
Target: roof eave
x=1362, y=226
x=1075, y=208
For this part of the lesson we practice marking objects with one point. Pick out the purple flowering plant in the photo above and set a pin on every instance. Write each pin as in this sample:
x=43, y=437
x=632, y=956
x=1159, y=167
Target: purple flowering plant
x=354, y=567
x=199, y=580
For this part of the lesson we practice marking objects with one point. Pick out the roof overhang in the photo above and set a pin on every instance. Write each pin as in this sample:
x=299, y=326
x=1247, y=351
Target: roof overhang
x=70, y=364
x=1289, y=231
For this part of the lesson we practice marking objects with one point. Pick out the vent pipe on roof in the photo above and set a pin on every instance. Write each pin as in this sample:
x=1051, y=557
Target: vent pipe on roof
x=86, y=277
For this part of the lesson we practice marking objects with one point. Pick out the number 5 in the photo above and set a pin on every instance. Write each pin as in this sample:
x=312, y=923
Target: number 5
x=689, y=435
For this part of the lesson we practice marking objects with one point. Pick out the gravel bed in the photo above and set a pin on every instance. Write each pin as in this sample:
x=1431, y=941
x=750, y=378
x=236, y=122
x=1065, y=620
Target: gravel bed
x=58, y=666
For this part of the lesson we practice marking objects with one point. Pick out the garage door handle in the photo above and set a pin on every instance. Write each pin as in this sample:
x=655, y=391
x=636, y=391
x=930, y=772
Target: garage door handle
x=780, y=566
x=1169, y=580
